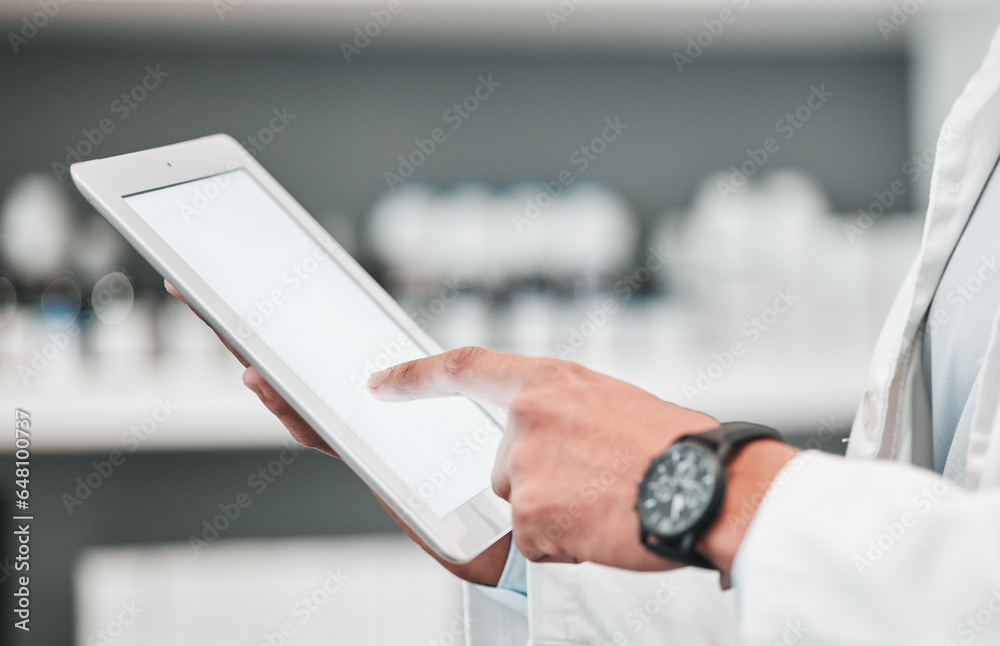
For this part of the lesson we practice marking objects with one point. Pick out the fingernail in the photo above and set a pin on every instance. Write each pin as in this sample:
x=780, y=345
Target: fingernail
x=377, y=379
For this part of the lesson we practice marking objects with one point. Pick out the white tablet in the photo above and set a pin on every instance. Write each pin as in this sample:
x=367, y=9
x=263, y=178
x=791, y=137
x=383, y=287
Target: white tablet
x=295, y=305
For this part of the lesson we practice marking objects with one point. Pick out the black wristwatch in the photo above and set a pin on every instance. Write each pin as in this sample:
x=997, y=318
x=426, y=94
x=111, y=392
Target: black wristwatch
x=681, y=494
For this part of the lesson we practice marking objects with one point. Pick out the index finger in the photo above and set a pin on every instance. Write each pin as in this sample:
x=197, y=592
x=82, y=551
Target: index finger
x=487, y=376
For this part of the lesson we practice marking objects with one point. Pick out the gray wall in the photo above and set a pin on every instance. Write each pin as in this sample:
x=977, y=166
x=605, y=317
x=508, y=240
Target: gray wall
x=352, y=120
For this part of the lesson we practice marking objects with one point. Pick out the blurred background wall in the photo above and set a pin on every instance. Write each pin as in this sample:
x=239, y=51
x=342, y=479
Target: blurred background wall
x=682, y=216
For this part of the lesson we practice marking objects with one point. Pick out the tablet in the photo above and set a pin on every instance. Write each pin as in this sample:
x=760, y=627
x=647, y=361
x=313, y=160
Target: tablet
x=301, y=311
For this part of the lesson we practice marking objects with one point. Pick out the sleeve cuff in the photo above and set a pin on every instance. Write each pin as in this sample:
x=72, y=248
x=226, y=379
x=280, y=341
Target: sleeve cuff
x=864, y=552
x=512, y=587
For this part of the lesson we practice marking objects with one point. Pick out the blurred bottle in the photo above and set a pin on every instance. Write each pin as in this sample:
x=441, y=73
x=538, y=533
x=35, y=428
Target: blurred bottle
x=36, y=226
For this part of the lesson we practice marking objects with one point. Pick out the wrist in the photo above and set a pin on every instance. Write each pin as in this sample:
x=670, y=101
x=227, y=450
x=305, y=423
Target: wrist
x=487, y=568
x=749, y=474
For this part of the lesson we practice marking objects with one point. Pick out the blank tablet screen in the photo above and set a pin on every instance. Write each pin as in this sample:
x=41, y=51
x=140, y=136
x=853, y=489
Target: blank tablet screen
x=292, y=294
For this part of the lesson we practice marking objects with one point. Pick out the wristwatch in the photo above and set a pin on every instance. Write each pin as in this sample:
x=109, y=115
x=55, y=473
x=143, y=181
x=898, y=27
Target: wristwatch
x=681, y=494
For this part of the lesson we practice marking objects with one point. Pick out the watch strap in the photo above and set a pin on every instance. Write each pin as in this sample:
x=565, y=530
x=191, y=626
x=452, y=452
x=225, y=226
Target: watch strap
x=730, y=435
x=683, y=554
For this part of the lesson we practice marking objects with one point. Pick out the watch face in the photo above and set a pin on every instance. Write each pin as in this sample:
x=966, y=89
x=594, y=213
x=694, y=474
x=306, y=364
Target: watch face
x=678, y=489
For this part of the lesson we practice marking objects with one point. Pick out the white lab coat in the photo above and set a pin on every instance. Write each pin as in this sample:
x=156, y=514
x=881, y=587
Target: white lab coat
x=853, y=551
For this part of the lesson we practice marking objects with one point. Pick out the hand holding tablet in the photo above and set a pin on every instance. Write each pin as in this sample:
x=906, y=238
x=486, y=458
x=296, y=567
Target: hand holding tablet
x=289, y=300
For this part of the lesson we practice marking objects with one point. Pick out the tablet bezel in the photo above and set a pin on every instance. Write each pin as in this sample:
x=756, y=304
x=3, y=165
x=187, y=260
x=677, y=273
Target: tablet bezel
x=457, y=537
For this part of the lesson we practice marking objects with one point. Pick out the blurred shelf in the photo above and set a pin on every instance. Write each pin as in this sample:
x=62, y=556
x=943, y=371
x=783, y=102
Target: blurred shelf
x=77, y=412
x=796, y=391
x=511, y=26
x=804, y=376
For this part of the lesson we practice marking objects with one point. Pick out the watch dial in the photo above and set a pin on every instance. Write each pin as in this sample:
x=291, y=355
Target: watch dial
x=677, y=489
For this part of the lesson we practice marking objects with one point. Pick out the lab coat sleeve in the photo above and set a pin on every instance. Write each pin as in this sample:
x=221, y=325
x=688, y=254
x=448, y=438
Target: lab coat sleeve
x=846, y=551
x=499, y=616
x=492, y=617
